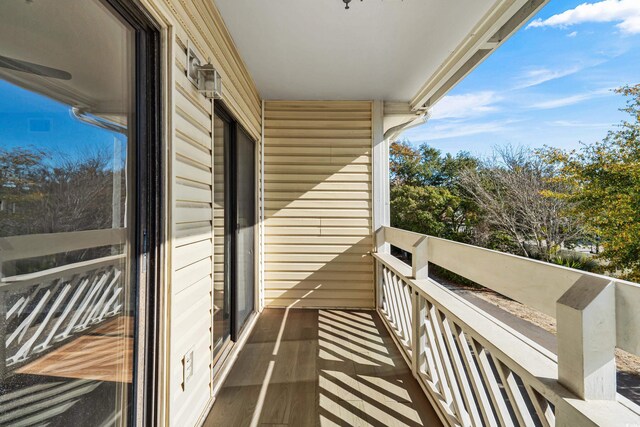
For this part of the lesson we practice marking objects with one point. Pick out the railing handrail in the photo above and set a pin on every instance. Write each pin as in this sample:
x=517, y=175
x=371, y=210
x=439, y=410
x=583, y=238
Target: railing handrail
x=21, y=280
x=534, y=283
x=14, y=248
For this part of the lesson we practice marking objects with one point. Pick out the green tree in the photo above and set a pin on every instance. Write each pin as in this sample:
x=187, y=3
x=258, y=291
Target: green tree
x=425, y=195
x=510, y=189
x=21, y=176
x=604, y=181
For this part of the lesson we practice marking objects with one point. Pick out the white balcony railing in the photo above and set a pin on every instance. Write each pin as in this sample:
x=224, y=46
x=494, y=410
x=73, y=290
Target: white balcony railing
x=478, y=371
x=42, y=310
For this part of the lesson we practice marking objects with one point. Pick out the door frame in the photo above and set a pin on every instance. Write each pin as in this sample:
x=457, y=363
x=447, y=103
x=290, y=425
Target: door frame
x=147, y=254
x=231, y=203
x=237, y=128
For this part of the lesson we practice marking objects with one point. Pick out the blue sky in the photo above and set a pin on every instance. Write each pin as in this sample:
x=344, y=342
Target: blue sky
x=549, y=84
x=28, y=119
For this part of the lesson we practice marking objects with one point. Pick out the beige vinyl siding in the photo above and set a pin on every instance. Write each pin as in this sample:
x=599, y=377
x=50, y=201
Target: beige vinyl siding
x=191, y=234
x=191, y=249
x=317, y=201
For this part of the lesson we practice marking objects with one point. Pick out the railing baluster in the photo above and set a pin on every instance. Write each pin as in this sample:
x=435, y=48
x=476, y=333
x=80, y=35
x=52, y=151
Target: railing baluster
x=85, y=313
x=393, y=303
x=24, y=326
x=24, y=350
x=449, y=370
x=402, y=310
x=495, y=394
x=459, y=371
x=36, y=307
x=408, y=312
x=541, y=406
x=379, y=284
x=17, y=306
x=93, y=318
x=430, y=356
x=443, y=384
x=512, y=388
x=110, y=303
x=65, y=313
x=417, y=348
x=420, y=260
x=474, y=374
x=385, y=292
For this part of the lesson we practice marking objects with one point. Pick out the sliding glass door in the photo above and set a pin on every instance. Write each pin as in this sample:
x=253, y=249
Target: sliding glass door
x=73, y=136
x=245, y=221
x=235, y=219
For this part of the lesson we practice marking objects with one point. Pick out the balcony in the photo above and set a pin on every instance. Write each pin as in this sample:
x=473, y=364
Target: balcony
x=229, y=260
x=426, y=356
x=452, y=358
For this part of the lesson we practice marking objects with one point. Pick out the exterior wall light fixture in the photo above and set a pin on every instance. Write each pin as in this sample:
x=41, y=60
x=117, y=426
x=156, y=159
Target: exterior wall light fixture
x=204, y=77
x=209, y=81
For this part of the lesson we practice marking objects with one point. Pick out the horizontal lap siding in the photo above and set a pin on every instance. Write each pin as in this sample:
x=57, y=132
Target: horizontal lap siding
x=317, y=201
x=192, y=245
x=195, y=262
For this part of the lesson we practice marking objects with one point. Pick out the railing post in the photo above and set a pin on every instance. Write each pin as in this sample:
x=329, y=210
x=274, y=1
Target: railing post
x=381, y=247
x=587, y=339
x=419, y=314
x=419, y=260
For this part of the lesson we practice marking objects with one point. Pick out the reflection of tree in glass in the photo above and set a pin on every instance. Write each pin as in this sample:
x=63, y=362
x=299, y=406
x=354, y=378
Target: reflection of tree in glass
x=43, y=193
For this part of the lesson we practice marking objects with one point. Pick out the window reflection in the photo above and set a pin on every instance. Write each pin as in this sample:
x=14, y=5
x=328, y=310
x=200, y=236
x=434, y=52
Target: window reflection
x=66, y=291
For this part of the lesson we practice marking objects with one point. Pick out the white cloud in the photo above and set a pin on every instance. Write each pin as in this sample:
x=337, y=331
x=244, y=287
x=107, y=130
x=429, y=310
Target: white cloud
x=625, y=12
x=541, y=75
x=578, y=124
x=457, y=129
x=465, y=106
x=569, y=100
x=572, y=34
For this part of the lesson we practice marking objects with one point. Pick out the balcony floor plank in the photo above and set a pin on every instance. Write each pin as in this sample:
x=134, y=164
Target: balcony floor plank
x=321, y=368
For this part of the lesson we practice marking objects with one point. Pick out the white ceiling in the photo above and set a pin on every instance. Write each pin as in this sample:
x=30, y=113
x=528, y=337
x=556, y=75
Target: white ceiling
x=83, y=38
x=378, y=49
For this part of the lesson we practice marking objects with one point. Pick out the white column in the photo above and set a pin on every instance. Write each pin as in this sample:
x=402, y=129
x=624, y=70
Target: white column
x=380, y=153
x=380, y=159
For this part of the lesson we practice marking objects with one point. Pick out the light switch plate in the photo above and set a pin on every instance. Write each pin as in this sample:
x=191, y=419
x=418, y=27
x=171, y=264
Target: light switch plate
x=187, y=368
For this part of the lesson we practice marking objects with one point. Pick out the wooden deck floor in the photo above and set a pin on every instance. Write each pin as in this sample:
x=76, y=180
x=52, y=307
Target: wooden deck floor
x=104, y=354
x=321, y=368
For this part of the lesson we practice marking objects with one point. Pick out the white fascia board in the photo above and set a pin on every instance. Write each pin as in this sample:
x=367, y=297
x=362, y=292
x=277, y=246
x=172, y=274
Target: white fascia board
x=502, y=21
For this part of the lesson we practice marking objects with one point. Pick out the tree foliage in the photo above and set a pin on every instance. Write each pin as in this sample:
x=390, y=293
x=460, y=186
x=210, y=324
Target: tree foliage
x=42, y=194
x=45, y=193
x=532, y=203
x=425, y=194
x=604, y=188
x=511, y=190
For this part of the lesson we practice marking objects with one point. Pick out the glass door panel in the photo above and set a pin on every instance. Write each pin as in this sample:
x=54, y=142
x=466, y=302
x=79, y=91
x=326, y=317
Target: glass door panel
x=245, y=220
x=67, y=214
x=234, y=202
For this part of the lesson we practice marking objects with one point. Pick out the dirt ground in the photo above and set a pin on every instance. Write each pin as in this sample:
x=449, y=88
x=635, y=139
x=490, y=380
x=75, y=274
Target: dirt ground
x=626, y=362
